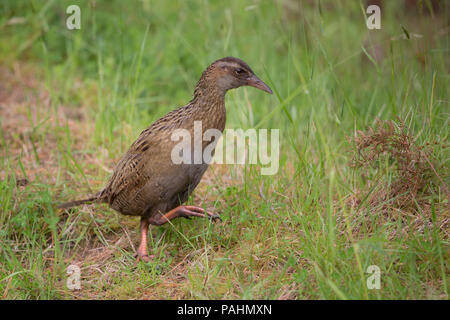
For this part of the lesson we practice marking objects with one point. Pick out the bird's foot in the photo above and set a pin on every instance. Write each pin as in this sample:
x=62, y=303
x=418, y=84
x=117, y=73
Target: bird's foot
x=194, y=211
x=143, y=256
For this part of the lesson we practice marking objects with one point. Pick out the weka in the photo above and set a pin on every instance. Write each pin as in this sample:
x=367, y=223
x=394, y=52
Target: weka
x=146, y=182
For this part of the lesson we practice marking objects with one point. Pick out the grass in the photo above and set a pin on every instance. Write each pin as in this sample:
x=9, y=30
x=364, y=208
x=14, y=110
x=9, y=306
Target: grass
x=71, y=102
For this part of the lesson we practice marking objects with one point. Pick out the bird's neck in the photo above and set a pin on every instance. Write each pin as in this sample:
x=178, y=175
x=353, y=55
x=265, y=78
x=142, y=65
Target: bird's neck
x=209, y=105
x=207, y=88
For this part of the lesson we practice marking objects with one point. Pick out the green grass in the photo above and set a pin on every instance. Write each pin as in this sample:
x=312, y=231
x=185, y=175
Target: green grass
x=73, y=101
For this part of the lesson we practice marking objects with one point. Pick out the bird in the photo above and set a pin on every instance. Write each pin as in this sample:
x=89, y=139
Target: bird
x=146, y=182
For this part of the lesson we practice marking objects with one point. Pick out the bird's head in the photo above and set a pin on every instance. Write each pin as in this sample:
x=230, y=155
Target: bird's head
x=230, y=73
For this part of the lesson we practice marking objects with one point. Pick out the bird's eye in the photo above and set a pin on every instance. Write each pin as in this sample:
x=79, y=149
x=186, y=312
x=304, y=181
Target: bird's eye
x=240, y=71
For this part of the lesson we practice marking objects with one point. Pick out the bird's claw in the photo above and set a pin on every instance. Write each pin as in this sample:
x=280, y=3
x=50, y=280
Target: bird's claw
x=193, y=211
x=142, y=257
x=214, y=217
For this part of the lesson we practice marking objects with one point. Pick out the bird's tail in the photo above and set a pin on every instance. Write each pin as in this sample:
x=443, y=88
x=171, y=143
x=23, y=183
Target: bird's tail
x=75, y=203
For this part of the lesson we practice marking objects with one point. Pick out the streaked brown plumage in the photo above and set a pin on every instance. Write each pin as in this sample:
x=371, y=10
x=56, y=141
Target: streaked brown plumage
x=146, y=182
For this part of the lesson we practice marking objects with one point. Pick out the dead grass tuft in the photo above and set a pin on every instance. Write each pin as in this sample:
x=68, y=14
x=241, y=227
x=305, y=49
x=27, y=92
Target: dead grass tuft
x=407, y=193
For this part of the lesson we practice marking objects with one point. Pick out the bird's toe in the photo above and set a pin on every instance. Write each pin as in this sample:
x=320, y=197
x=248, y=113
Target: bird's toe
x=143, y=257
x=214, y=217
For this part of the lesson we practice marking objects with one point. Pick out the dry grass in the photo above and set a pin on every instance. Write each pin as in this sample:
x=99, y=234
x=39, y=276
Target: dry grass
x=31, y=126
x=403, y=196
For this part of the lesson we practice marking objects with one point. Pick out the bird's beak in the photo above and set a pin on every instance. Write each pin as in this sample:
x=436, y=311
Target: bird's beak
x=254, y=81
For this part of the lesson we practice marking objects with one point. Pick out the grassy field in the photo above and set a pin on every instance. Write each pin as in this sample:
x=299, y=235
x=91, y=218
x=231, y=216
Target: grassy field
x=363, y=178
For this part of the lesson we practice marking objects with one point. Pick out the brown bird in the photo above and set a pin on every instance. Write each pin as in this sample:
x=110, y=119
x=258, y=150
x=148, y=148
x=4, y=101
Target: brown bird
x=146, y=182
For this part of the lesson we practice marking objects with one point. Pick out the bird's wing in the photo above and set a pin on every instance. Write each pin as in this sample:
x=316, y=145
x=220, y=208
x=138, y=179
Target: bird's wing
x=147, y=159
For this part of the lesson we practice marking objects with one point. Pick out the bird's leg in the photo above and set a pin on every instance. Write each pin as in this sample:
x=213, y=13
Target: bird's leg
x=142, y=250
x=182, y=211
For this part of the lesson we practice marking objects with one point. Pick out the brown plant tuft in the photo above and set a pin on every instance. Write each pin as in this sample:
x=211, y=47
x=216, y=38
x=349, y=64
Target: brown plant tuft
x=414, y=181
